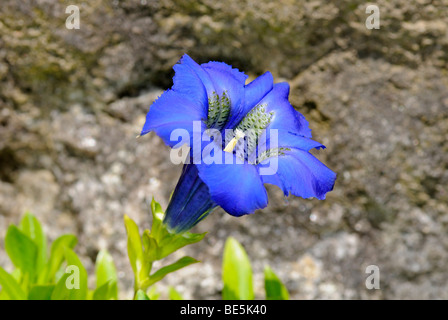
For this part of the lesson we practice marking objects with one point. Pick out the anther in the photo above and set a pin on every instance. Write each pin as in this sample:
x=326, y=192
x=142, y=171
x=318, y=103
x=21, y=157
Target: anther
x=232, y=144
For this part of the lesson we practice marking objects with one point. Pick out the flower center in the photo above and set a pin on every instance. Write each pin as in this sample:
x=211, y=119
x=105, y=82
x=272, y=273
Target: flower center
x=244, y=139
x=252, y=125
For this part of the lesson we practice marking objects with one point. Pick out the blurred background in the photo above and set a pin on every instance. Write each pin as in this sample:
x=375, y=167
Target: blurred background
x=73, y=101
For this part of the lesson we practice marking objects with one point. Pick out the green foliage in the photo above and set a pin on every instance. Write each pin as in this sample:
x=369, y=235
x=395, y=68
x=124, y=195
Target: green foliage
x=10, y=287
x=236, y=272
x=31, y=227
x=141, y=295
x=75, y=270
x=237, y=276
x=153, y=245
x=174, y=295
x=57, y=256
x=61, y=291
x=275, y=289
x=41, y=292
x=139, y=264
x=153, y=294
x=162, y=272
x=61, y=276
x=106, y=277
x=161, y=240
x=22, y=251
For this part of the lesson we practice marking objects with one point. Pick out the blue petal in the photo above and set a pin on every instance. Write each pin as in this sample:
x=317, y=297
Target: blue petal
x=285, y=116
x=225, y=68
x=257, y=90
x=172, y=111
x=237, y=188
x=187, y=63
x=302, y=174
x=216, y=77
x=187, y=81
x=190, y=202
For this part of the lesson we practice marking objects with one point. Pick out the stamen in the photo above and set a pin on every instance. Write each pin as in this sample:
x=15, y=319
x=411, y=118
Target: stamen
x=270, y=153
x=231, y=145
x=254, y=123
x=218, y=110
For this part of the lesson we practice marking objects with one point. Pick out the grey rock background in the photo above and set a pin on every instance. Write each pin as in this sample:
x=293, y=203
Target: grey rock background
x=72, y=102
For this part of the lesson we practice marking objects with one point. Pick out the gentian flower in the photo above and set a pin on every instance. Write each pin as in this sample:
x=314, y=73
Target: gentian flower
x=213, y=100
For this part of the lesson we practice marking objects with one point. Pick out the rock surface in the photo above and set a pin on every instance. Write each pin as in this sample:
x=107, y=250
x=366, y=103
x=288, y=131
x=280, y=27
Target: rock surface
x=73, y=101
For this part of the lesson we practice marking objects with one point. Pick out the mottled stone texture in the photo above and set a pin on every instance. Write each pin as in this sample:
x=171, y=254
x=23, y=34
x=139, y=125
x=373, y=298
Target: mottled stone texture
x=73, y=101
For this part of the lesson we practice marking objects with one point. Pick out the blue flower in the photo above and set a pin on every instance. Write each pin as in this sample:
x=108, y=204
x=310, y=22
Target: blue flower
x=260, y=128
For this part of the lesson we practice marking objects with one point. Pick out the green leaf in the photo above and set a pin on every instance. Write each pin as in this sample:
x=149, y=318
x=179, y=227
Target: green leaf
x=135, y=252
x=157, y=219
x=57, y=256
x=41, y=292
x=151, y=248
x=135, y=249
x=141, y=295
x=21, y=250
x=32, y=228
x=106, y=274
x=10, y=286
x=275, y=289
x=174, y=295
x=61, y=292
x=108, y=291
x=167, y=242
x=73, y=283
x=101, y=292
x=78, y=275
x=3, y=295
x=152, y=293
x=162, y=272
x=237, y=272
x=172, y=242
